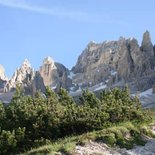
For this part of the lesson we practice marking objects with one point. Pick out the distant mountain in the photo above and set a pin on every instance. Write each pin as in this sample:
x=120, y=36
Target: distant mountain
x=100, y=66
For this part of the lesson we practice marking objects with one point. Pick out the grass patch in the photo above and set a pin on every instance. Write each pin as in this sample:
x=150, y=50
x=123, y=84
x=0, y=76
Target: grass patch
x=124, y=135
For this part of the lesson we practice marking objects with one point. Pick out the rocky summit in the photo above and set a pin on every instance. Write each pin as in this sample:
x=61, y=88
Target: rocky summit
x=116, y=63
x=55, y=75
x=100, y=66
x=25, y=76
x=3, y=78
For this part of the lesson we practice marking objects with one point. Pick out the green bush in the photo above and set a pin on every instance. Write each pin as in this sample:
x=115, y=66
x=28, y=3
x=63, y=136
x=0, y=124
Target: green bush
x=32, y=121
x=8, y=142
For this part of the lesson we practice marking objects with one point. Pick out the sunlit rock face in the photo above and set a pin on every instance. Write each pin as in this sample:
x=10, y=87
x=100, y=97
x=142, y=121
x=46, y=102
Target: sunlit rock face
x=3, y=79
x=2, y=73
x=55, y=75
x=48, y=71
x=26, y=77
x=117, y=63
x=21, y=75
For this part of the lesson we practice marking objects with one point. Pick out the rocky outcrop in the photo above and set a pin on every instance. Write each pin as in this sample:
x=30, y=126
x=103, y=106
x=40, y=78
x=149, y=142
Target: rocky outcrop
x=148, y=53
x=3, y=79
x=113, y=62
x=22, y=75
x=2, y=73
x=147, y=45
x=55, y=74
x=153, y=89
x=30, y=80
x=103, y=149
x=48, y=71
x=36, y=84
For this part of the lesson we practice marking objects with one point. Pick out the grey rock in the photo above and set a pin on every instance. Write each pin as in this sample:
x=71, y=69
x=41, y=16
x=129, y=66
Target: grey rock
x=153, y=88
x=22, y=75
x=55, y=75
x=147, y=45
x=35, y=85
x=147, y=49
x=48, y=71
x=3, y=79
x=122, y=61
x=30, y=80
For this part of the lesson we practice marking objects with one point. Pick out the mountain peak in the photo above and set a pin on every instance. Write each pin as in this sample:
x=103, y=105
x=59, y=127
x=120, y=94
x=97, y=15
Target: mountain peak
x=146, y=42
x=1, y=70
x=146, y=36
x=26, y=64
x=2, y=73
x=48, y=60
x=147, y=32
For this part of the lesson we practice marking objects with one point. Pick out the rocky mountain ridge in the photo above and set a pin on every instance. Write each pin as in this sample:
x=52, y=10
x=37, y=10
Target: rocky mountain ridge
x=100, y=66
x=117, y=62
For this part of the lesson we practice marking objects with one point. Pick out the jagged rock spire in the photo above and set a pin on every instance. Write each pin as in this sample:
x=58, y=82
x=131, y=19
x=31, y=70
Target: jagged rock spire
x=2, y=73
x=26, y=63
x=146, y=42
x=47, y=70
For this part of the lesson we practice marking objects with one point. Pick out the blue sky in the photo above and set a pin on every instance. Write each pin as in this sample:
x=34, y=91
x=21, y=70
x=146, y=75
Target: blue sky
x=34, y=29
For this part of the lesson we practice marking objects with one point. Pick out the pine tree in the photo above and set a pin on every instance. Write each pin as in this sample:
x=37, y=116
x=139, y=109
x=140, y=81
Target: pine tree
x=64, y=97
x=89, y=98
x=2, y=115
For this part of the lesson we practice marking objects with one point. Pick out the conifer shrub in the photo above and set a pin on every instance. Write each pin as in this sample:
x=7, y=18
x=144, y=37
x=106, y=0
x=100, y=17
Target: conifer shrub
x=31, y=121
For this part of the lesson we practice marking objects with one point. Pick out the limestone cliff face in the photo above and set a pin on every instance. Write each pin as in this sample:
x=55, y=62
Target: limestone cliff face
x=2, y=73
x=3, y=78
x=55, y=75
x=148, y=53
x=63, y=80
x=113, y=62
x=48, y=71
x=21, y=76
x=35, y=85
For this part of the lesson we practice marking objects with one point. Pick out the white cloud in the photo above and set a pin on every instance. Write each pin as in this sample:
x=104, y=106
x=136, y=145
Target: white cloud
x=13, y=3
x=23, y=4
x=82, y=16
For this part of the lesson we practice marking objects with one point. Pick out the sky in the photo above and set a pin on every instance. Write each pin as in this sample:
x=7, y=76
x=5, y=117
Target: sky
x=35, y=29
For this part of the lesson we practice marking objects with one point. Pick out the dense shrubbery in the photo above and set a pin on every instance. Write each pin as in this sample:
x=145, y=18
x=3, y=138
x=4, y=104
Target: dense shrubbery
x=30, y=121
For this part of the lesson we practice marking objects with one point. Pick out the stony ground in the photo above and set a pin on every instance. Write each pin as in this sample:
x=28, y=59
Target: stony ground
x=94, y=148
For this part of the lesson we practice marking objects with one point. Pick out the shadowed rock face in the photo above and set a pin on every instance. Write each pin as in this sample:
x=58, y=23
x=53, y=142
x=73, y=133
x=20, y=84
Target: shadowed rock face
x=54, y=74
x=147, y=45
x=36, y=84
